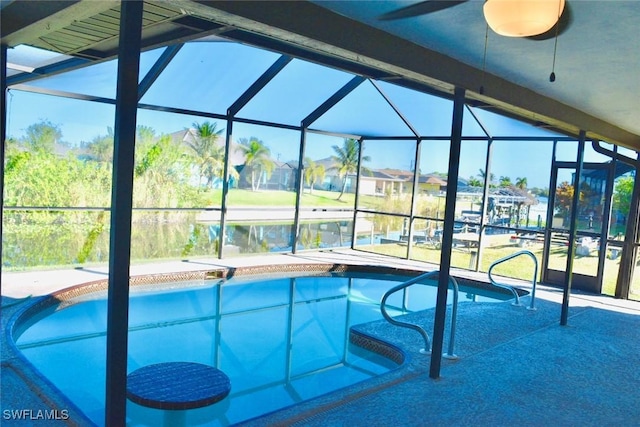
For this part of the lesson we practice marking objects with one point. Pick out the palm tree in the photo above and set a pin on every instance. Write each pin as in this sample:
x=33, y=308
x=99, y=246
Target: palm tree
x=209, y=154
x=313, y=173
x=521, y=183
x=482, y=174
x=257, y=160
x=474, y=182
x=347, y=159
x=505, y=181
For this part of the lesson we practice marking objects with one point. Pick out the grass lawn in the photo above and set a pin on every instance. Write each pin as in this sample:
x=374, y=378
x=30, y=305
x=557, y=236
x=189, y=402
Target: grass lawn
x=517, y=268
x=242, y=197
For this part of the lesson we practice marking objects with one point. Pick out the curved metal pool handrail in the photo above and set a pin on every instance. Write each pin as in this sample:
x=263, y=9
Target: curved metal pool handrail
x=511, y=288
x=454, y=312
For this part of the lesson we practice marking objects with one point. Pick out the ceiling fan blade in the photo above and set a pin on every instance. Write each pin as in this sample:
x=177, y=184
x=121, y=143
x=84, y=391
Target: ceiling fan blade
x=562, y=25
x=421, y=8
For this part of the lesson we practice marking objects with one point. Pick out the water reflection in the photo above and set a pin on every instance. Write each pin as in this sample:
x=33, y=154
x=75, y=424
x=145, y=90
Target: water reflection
x=32, y=245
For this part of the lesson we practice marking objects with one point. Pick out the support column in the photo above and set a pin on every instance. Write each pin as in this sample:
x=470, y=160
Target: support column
x=3, y=131
x=414, y=195
x=629, y=248
x=606, y=217
x=447, y=234
x=356, y=199
x=485, y=201
x=299, y=190
x=222, y=235
x=568, y=277
x=121, y=204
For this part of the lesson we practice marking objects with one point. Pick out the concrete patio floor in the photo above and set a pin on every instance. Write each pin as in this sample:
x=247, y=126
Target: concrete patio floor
x=515, y=366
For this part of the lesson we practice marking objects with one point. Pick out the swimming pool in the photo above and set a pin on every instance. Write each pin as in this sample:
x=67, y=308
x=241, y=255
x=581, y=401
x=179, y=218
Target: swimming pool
x=281, y=339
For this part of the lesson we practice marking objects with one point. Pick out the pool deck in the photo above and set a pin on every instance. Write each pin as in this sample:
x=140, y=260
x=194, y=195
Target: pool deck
x=515, y=366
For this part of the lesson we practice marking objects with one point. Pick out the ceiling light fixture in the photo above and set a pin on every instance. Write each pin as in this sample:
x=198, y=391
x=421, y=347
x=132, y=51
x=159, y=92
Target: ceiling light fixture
x=522, y=18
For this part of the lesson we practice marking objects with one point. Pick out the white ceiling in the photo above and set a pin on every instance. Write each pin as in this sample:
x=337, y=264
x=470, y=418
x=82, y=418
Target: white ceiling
x=597, y=63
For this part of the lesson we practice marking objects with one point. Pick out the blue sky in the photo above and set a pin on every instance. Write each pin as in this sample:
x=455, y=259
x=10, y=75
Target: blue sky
x=222, y=71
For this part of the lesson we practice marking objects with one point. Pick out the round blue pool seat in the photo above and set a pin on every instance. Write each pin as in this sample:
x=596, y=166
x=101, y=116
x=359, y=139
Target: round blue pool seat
x=177, y=385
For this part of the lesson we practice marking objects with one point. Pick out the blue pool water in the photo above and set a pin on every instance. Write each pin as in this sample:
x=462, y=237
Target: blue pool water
x=280, y=340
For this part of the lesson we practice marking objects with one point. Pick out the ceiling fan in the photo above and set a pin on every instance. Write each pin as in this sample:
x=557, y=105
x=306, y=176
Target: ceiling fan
x=533, y=19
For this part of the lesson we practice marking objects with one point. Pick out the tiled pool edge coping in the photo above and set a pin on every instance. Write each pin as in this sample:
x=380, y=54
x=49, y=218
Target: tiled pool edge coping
x=20, y=313
x=30, y=395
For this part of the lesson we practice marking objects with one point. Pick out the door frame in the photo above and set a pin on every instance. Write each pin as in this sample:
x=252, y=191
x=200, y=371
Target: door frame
x=579, y=281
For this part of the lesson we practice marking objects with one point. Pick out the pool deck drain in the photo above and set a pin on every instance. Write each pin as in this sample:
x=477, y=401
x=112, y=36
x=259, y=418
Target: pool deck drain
x=516, y=366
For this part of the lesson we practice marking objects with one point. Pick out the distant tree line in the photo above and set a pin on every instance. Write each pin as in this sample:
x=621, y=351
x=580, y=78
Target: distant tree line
x=175, y=171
